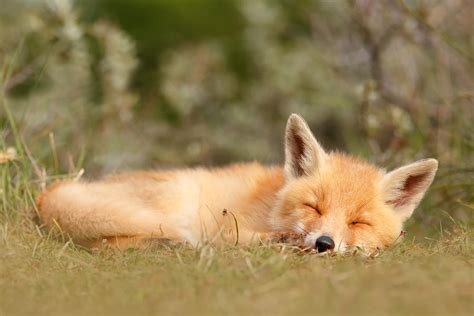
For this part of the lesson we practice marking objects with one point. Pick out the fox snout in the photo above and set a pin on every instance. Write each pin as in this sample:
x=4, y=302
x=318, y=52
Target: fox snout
x=324, y=243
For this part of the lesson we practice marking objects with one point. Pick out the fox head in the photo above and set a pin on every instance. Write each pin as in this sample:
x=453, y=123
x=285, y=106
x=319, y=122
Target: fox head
x=338, y=202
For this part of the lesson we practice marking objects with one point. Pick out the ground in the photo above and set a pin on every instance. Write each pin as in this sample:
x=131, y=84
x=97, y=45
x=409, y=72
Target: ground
x=42, y=275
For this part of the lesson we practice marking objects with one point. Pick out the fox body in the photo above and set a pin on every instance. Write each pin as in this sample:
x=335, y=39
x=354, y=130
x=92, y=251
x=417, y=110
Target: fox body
x=332, y=201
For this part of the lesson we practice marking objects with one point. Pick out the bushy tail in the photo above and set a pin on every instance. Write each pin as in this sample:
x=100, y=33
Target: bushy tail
x=93, y=211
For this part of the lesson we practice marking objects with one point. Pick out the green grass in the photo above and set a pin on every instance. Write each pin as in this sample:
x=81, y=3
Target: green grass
x=39, y=275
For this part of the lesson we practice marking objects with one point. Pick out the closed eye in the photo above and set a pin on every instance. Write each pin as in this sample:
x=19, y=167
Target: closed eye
x=314, y=207
x=360, y=223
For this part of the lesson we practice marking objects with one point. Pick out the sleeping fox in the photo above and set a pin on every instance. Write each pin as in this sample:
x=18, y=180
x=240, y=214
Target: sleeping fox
x=331, y=201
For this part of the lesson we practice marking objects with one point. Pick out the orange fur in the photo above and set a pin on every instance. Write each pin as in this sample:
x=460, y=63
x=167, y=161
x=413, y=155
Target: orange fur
x=344, y=191
x=314, y=194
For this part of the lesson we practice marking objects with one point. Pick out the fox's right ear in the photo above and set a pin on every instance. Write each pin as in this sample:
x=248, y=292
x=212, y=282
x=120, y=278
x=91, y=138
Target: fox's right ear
x=303, y=154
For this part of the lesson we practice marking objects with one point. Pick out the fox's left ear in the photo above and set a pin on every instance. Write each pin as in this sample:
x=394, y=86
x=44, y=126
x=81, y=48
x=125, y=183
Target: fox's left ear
x=403, y=188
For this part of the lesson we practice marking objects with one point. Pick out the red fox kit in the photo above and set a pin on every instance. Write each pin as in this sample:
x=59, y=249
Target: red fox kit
x=333, y=201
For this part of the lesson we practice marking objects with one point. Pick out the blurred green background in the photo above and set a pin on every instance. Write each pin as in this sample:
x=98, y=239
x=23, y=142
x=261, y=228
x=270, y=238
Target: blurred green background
x=110, y=85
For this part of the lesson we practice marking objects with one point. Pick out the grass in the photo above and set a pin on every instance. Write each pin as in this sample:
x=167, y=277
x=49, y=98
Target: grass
x=39, y=275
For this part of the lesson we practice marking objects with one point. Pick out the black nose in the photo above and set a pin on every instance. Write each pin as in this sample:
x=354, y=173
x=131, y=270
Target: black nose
x=324, y=243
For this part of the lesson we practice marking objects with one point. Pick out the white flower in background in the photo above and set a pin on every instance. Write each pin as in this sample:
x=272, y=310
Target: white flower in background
x=117, y=68
x=64, y=9
x=8, y=155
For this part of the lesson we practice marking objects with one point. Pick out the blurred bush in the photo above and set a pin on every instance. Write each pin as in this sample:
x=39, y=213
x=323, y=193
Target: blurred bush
x=115, y=84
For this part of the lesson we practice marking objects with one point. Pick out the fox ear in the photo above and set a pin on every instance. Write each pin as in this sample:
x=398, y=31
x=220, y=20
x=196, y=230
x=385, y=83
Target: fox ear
x=403, y=188
x=303, y=154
